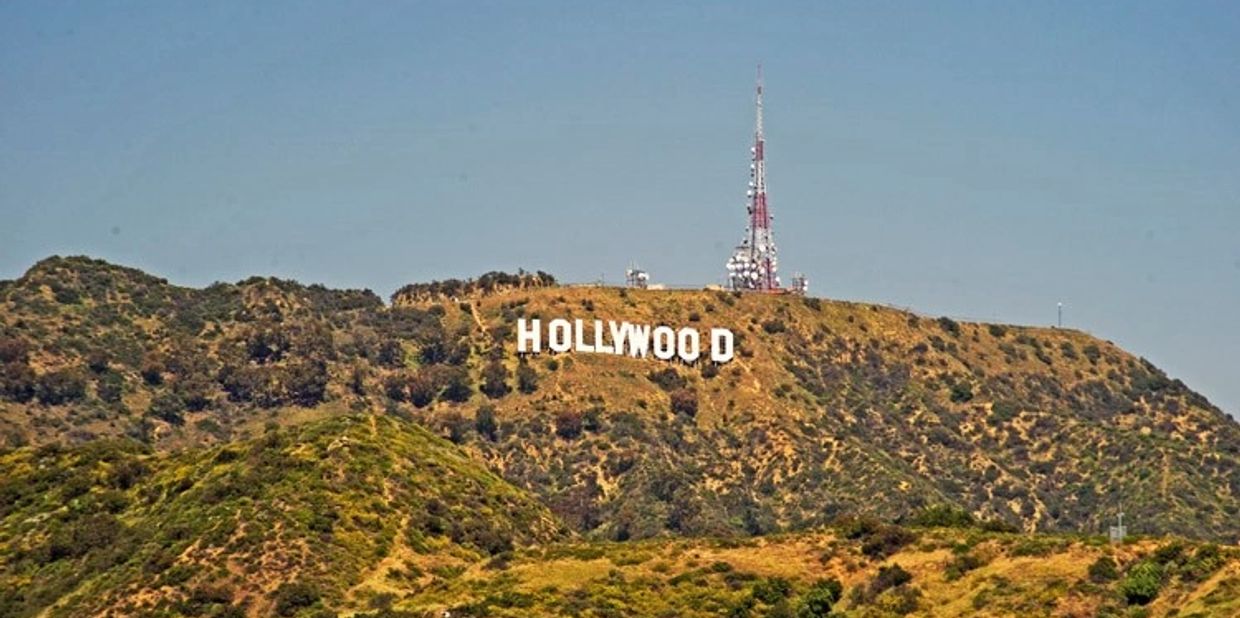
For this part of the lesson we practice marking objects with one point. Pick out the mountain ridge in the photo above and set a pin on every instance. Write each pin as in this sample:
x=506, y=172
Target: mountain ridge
x=829, y=409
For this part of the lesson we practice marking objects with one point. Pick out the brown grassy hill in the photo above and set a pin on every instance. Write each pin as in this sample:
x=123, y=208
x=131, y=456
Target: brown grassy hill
x=834, y=408
x=830, y=408
x=939, y=572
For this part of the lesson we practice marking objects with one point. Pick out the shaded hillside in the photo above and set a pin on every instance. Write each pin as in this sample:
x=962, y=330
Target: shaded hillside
x=829, y=409
x=294, y=520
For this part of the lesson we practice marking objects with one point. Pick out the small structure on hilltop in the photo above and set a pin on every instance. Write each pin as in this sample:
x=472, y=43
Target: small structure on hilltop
x=635, y=277
x=754, y=264
x=1119, y=531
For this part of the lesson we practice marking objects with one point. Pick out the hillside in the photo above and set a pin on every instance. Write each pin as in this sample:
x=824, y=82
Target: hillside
x=372, y=517
x=303, y=518
x=939, y=572
x=830, y=409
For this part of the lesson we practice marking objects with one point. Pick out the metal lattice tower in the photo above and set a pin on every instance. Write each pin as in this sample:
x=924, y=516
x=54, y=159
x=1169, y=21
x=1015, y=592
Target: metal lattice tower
x=754, y=264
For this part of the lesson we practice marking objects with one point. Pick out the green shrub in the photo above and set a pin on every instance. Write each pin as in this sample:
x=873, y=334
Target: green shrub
x=568, y=424
x=685, y=401
x=495, y=380
x=668, y=379
x=1142, y=583
x=886, y=541
x=1092, y=352
x=1004, y=410
x=943, y=516
x=109, y=386
x=961, y=392
x=293, y=596
x=456, y=385
x=484, y=423
x=1103, y=570
x=959, y=565
x=60, y=387
x=527, y=378
x=167, y=407
x=888, y=577
x=773, y=327
x=771, y=590
x=949, y=325
x=818, y=600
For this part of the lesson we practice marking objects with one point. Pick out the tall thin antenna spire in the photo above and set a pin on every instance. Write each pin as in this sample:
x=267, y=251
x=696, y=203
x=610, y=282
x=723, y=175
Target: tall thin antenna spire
x=758, y=101
x=754, y=264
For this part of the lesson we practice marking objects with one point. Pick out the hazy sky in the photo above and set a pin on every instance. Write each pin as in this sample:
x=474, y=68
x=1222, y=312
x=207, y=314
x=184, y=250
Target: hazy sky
x=982, y=160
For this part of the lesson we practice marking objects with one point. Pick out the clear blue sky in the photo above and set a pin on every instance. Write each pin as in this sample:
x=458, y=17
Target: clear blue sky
x=981, y=160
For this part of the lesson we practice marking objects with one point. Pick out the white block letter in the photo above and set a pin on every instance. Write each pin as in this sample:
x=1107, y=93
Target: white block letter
x=664, y=343
x=688, y=344
x=720, y=345
x=639, y=339
x=529, y=339
x=582, y=346
x=598, y=339
x=559, y=338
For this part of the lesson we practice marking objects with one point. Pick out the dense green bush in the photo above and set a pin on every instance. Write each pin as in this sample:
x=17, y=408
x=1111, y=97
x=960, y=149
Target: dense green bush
x=888, y=577
x=167, y=407
x=305, y=382
x=456, y=384
x=61, y=386
x=291, y=597
x=886, y=541
x=484, y=423
x=568, y=424
x=949, y=325
x=819, y=599
x=1103, y=570
x=17, y=382
x=771, y=590
x=943, y=516
x=685, y=401
x=1142, y=582
x=109, y=386
x=668, y=379
x=773, y=327
x=495, y=379
x=527, y=378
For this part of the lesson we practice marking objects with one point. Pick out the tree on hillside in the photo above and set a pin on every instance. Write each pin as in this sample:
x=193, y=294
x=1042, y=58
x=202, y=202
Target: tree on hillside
x=527, y=378
x=17, y=379
x=456, y=384
x=495, y=379
x=306, y=382
x=484, y=422
x=685, y=401
x=60, y=386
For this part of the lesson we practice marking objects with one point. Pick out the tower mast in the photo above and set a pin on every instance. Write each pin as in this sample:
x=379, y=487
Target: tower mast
x=754, y=264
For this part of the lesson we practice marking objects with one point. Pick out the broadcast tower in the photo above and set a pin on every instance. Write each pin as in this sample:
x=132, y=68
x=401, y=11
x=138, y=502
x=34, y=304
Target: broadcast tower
x=754, y=264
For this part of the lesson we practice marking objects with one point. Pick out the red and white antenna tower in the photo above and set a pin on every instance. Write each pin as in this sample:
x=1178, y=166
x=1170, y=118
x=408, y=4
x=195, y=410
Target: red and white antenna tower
x=754, y=264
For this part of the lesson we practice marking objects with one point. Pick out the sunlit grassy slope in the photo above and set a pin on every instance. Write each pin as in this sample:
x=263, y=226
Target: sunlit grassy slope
x=109, y=528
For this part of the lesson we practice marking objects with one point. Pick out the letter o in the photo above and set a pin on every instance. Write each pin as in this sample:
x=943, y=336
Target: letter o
x=664, y=343
x=559, y=335
x=688, y=345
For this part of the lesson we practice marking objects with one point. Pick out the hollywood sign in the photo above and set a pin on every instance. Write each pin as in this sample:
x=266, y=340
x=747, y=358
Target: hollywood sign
x=623, y=339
